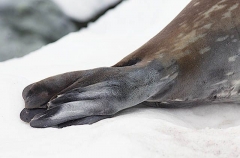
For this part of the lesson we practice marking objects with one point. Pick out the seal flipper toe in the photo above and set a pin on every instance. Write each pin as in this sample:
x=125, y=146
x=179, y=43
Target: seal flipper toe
x=26, y=115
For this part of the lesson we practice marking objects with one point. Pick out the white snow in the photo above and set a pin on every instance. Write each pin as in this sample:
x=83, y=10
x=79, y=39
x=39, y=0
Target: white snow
x=84, y=10
x=140, y=132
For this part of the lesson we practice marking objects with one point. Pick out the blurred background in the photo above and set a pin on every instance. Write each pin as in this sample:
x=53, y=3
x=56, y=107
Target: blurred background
x=27, y=25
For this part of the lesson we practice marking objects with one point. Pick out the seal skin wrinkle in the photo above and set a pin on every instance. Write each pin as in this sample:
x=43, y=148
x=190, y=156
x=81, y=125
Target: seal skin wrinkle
x=194, y=60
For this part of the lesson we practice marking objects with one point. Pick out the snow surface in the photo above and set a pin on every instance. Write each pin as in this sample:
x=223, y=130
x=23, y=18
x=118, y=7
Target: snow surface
x=84, y=10
x=140, y=132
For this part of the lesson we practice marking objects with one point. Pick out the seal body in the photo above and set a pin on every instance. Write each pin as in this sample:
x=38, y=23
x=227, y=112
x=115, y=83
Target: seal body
x=204, y=40
x=194, y=60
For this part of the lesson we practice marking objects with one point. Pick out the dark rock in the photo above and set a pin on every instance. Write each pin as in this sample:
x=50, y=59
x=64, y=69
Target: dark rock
x=27, y=25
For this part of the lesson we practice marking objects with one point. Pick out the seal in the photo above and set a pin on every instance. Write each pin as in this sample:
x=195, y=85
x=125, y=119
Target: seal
x=194, y=60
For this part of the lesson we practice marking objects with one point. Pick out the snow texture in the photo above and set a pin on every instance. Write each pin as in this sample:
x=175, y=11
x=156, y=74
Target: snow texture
x=84, y=10
x=140, y=132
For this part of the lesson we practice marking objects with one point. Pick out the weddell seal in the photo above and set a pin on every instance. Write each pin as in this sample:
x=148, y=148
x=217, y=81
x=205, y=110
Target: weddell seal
x=194, y=60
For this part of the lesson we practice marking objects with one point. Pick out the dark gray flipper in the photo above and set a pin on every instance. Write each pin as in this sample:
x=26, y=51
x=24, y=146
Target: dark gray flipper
x=97, y=94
